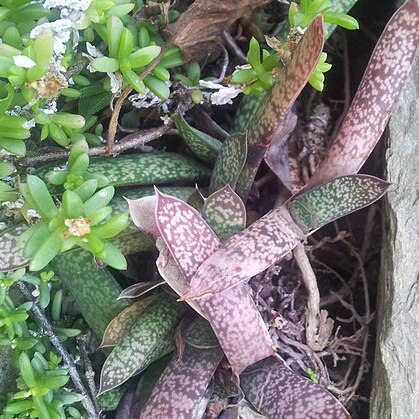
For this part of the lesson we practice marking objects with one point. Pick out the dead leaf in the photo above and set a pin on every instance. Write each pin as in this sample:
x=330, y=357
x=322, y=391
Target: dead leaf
x=199, y=30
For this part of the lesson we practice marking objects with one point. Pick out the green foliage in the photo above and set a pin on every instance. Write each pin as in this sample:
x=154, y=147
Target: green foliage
x=257, y=76
x=317, y=78
x=303, y=15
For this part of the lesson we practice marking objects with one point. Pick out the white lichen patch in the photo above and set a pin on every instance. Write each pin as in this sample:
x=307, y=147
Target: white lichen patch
x=223, y=94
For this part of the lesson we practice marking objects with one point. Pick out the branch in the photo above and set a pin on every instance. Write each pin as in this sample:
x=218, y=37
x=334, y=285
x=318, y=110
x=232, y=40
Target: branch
x=134, y=140
x=72, y=369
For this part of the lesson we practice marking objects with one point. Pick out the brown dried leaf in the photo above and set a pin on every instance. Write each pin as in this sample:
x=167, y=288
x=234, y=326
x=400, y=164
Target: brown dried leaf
x=267, y=121
x=246, y=254
x=142, y=214
x=122, y=323
x=377, y=94
x=198, y=31
x=278, y=392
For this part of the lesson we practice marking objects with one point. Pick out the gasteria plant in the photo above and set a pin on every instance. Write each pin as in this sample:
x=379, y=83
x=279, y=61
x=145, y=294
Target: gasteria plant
x=61, y=65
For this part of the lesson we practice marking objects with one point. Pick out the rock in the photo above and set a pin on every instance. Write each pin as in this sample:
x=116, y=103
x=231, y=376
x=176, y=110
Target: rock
x=395, y=392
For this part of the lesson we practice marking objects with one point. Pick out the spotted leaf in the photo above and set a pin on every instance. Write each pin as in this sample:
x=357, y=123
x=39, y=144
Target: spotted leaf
x=11, y=248
x=183, y=382
x=335, y=199
x=122, y=323
x=224, y=211
x=230, y=162
x=278, y=392
x=146, y=340
x=182, y=228
x=289, y=82
x=376, y=96
x=205, y=147
x=246, y=254
x=232, y=314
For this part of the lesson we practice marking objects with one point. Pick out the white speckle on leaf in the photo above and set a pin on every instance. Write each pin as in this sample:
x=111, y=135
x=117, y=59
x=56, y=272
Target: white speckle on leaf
x=23, y=61
x=144, y=100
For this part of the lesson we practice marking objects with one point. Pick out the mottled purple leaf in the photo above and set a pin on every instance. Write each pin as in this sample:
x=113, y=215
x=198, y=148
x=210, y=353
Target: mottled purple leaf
x=278, y=392
x=170, y=272
x=246, y=254
x=229, y=163
x=239, y=328
x=232, y=314
x=224, y=211
x=377, y=94
x=142, y=212
x=277, y=157
x=139, y=289
x=146, y=340
x=188, y=237
x=184, y=381
x=289, y=82
x=335, y=199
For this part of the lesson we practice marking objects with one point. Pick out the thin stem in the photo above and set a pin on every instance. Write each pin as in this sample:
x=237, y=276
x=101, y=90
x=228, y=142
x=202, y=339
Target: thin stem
x=134, y=140
x=72, y=369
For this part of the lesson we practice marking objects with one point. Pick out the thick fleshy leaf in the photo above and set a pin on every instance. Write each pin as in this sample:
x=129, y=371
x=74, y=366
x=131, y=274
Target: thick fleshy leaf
x=170, y=272
x=143, y=169
x=229, y=163
x=11, y=249
x=183, y=382
x=268, y=119
x=182, y=228
x=145, y=341
x=339, y=6
x=277, y=392
x=139, y=289
x=94, y=289
x=246, y=254
x=205, y=147
x=224, y=211
x=335, y=199
x=377, y=94
x=122, y=323
x=232, y=314
x=277, y=157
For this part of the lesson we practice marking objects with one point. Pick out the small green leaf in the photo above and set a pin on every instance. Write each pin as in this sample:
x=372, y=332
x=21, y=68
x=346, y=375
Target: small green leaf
x=6, y=169
x=26, y=370
x=253, y=56
x=43, y=47
x=68, y=120
x=144, y=56
x=113, y=257
x=126, y=44
x=341, y=19
x=41, y=197
x=105, y=64
x=72, y=205
x=115, y=29
x=48, y=250
x=16, y=147
x=112, y=227
x=134, y=80
x=99, y=199
x=335, y=199
x=244, y=76
x=158, y=87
